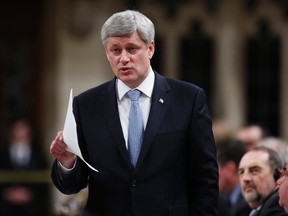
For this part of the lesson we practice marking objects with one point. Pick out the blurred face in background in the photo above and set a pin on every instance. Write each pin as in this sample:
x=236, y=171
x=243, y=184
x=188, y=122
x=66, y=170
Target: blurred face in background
x=20, y=133
x=250, y=135
x=227, y=174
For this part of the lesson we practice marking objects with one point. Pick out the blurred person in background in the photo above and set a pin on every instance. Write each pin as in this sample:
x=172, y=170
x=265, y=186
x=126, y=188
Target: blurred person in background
x=259, y=169
x=283, y=192
x=231, y=201
x=277, y=144
x=251, y=134
x=281, y=147
x=18, y=196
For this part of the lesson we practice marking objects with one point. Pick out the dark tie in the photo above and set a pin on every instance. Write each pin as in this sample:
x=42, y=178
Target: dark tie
x=135, y=127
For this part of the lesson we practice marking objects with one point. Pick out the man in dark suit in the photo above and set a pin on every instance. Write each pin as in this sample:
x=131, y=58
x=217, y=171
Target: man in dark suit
x=175, y=172
x=20, y=154
x=231, y=201
x=259, y=169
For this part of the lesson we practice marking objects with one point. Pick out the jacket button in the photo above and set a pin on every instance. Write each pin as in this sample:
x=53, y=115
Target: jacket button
x=133, y=183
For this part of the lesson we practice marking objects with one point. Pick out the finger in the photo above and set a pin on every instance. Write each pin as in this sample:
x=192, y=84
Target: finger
x=60, y=144
x=58, y=147
x=59, y=137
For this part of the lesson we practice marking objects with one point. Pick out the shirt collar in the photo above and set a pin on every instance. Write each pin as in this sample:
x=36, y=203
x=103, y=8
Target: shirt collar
x=146, y=87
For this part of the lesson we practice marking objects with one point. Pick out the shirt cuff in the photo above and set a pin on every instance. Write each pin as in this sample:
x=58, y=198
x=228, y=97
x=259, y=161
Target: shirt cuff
x=65, y=170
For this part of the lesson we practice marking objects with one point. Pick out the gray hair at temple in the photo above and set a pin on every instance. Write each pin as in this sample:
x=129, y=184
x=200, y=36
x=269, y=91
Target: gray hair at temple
x=274, y=160
x=126, y=23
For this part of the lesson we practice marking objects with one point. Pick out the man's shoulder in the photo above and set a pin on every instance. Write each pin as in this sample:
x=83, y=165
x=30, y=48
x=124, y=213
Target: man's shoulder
x=97, y=90
x=271, y=206
x=180, y=85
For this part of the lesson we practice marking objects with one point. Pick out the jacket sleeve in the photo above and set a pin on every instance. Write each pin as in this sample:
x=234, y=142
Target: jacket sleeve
x=70, y=182
x=76, y=179
x=203, y=166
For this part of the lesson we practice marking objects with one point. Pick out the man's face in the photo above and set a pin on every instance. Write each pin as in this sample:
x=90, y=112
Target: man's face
x=21, y=133
x=256, y=177
x=227, y=174
x=250, y=136
x=129, y=58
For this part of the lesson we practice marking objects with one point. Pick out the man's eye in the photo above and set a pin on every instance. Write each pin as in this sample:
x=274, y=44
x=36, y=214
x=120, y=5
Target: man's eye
x=131, y=49
x=116, y=50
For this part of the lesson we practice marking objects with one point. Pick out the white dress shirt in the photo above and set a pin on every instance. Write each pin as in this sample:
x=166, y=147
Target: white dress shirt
x=20, y=153
x=146, y=87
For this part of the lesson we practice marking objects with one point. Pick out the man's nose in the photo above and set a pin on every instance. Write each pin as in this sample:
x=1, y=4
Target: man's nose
x=124, y=56
x=246, y=177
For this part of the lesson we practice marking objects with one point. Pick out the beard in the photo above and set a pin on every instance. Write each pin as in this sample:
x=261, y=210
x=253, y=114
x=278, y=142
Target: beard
x=251, y=194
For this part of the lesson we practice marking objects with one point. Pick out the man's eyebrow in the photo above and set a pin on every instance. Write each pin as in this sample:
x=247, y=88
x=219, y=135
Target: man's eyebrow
x=251, y=167
x=255, y=167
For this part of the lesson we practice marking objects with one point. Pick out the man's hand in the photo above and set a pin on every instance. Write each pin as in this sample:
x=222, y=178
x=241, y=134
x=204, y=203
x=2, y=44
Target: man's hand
x=58, y=150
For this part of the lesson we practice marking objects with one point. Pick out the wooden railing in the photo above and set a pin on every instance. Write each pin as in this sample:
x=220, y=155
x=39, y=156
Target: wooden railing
x=25, y=176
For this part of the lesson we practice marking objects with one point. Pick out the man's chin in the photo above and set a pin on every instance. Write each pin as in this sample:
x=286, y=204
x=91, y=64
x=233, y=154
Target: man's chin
x=250, y=196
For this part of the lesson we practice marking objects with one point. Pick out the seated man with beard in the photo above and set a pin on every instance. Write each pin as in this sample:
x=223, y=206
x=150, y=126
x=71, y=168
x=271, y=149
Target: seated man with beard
x=258, y=173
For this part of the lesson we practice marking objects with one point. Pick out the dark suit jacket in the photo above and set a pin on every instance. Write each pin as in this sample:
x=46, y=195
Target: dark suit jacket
x=271, y=206
x=176, y=173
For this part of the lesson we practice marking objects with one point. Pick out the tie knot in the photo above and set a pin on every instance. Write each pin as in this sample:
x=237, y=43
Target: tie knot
x=134, y=95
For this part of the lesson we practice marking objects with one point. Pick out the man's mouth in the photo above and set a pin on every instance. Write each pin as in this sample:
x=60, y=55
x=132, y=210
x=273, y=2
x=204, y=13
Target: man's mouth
x=248, y=189
x=125, y=69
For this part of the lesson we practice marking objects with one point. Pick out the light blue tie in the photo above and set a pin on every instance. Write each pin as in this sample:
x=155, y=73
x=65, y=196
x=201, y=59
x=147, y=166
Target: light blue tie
x=135, y=127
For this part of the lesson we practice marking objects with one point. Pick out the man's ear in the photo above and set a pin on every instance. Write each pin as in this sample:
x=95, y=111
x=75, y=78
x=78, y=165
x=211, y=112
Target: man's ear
x=151, y=49
x=278, y=174
x=106, y=52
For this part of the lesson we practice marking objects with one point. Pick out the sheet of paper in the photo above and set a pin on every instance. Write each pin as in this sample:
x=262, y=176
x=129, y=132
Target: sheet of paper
x=70, y=132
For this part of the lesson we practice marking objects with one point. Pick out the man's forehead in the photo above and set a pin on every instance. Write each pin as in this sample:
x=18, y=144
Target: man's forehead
x=254, y=158
x=126, y=40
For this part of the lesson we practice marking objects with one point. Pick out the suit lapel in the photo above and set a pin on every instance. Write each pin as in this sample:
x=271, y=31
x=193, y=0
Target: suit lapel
x=161, y=100
x=111, y=114
x=160, y=103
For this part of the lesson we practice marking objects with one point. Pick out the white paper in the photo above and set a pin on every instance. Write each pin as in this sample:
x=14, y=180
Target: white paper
x=70, y=132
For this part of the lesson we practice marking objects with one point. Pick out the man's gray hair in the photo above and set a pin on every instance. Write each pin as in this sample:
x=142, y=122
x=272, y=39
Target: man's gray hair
x=126, y=23
x=274, y=159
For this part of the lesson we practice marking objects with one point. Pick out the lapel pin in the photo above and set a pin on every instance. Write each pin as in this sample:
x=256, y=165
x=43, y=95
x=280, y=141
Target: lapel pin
x=161, y=100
